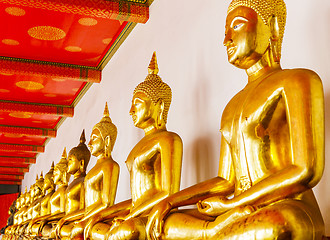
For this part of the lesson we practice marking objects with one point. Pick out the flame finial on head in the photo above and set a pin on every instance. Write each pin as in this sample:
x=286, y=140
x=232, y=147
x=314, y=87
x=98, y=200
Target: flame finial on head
x=82, y=137
x=153, y=66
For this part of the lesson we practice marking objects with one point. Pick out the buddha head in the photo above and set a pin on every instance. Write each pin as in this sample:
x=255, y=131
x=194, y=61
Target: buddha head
x=254, y=28
x=151, y=100
x=48, y=181
x=79, y=156
x=103, y=136
x=61, y=177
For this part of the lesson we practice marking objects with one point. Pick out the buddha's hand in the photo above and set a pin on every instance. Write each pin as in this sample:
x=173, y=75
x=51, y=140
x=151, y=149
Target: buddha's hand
x=214, y=206
x=90, y=224
x=116, y=222
x=156, y=217
x=58, y=228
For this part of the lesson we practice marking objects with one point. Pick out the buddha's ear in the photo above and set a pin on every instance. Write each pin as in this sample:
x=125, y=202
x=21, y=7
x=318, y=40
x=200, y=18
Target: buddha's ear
x=274, y=28
x=82, y=164
x=107, y=146
x=160, y=116
x=274, y=38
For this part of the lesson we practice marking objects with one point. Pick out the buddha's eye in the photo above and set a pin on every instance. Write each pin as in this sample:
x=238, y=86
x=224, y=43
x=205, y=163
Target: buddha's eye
x=237, y=26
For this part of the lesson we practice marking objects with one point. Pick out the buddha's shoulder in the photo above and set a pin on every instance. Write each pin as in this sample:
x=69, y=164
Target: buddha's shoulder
x=289, y=77
x=167, y=135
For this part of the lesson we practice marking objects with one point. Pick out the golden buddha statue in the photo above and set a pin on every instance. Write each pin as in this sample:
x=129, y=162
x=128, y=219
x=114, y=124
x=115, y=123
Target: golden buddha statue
x=78, y=160
x=100, y=183
x=154, y=163
x=56, y=201
x=272, y=145
x=48, y=190
x=10, y=230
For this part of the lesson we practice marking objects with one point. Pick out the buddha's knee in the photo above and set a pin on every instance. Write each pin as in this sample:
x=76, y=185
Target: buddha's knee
x=77, y=232
x=288, y=219
x=99, y=231
x=131, y=229
x=66, y=231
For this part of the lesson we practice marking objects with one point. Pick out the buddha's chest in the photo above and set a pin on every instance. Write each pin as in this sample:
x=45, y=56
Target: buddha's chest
x=248, y=114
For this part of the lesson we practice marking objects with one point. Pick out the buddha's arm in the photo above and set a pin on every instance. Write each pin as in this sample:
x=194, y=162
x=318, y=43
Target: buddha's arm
x=303, y=96
x=118, y=210
x=110, y=181
x=170, y=150
x=223, y=185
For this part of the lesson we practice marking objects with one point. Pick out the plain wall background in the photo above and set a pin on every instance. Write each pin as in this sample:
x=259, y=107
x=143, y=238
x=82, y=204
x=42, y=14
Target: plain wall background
x=187, y=36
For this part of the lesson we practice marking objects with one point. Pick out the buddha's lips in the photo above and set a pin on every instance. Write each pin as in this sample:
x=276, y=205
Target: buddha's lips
x=134, y=118
x=231, y=50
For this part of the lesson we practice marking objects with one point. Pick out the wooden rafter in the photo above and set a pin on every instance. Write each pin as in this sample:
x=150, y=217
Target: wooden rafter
x=36, y=132
x=18, y=160
x=11, y=182
x=21, y=148
x=10, y=177
x=33, y=108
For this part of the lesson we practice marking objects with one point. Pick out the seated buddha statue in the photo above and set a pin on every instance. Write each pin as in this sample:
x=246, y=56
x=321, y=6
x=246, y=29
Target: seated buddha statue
x=56, y=201
x=26, y=209
x=154, y=163
x=35, y=206
x=48, y=190
x=272, y=145
x=100, y=183
x=78, y=160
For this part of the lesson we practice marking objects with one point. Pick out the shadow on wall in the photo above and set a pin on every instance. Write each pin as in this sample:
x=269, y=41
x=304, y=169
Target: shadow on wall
x=202, y=157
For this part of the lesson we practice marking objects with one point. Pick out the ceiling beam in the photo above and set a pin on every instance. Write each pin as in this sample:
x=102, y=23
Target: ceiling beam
x=14, y=164
x=18, y=160
x=21, y=148
x=13, y=171
x=11, y=182
x=28, y=131
x=10, y=177
x=34, y=108
x=26, y=67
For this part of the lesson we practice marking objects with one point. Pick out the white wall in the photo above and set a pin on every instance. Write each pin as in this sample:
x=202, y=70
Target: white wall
x=188, y=35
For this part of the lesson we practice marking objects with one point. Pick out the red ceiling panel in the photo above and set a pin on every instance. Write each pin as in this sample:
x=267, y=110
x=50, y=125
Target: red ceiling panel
x=51, y=51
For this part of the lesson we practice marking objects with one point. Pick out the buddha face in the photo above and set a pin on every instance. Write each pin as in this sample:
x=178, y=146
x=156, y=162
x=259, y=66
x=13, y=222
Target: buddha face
x=247, y=37
x=73, y=164
x=57, y=175
x=48, y=182
x=141, y=110
x=96, y=143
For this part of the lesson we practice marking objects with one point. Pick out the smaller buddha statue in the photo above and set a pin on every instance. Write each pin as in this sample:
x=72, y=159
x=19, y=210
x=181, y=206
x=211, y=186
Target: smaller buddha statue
x=48, y=190
x=56, y=201
x=100, y=182
x=35, y=207
x=78, y=160
x=154, y=163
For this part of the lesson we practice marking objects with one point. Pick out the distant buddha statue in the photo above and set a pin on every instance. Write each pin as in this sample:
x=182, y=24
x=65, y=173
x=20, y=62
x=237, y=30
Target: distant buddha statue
x=154, y=163
x=56, y=201
x=48, y=190
x=272, y=145
x=100, y=183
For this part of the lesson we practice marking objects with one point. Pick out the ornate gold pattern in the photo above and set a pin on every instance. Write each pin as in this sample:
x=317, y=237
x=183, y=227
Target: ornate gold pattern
x=47, y=33
x=29, y=85
x=4, y=91
x=107, y=41
x=87, y=21
x=15, y=11
x=73, y=49
x=10, y=42
x=20, y=115
x=50, y=95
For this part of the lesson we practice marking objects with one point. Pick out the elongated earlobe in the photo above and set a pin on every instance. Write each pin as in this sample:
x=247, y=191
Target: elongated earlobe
x=160, y=116
x=107, y=146
x=274, y=38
